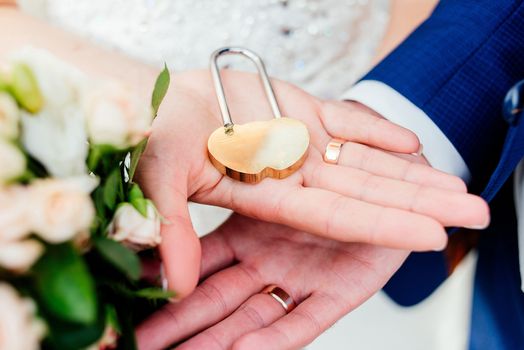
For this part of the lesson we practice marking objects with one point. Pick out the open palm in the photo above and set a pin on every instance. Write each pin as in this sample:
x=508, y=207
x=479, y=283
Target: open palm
x=371, y=196
x=327, y=278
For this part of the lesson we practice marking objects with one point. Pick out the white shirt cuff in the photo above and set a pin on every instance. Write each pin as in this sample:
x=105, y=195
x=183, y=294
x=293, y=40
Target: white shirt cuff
x=438, y=150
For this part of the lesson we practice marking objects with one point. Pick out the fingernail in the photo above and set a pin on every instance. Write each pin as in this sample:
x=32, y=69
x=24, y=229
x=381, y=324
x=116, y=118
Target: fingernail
x=479, y=227
x=420, y=150
x=441, y=248
x=165, y=283
x=482, y=226
x=443, y=243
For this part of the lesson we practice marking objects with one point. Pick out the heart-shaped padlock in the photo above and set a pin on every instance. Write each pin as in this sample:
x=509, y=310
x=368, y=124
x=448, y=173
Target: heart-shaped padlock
x=250, y=152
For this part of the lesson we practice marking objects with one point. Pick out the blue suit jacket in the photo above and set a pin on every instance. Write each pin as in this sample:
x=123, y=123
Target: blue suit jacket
x=457, y=67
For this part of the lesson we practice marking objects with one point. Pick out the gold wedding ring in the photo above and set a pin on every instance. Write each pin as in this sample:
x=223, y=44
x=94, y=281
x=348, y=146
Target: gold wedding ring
x=281, y=296
x=333, y=149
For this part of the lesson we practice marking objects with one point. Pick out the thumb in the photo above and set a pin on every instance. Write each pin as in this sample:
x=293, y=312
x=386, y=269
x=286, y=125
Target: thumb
x=180, y=248
x=181, y=252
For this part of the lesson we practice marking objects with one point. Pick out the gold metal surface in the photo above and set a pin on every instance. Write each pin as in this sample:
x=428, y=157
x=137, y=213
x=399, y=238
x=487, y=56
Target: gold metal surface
x=281, y=296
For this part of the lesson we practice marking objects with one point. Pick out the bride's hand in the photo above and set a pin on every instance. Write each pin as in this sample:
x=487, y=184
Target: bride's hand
x=326, y=278
x=370, y=196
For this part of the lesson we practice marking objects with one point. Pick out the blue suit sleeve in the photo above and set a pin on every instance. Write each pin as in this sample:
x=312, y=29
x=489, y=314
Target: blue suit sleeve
x=457, y=67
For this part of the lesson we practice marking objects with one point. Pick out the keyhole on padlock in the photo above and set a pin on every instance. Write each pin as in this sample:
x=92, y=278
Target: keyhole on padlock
x=219, y=88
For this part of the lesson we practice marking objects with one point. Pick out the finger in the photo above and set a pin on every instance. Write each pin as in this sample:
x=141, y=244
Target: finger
x=332, y=215
x=380, y=163
x=216, y=252
x=346, y=122
x=151, y=270
x=257, y=312
x=447, y=207
x=180, y=247
x=296, y=329
x=211, y=302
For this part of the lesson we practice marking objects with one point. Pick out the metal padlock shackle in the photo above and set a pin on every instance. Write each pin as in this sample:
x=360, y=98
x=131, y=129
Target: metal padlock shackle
x=219, y=88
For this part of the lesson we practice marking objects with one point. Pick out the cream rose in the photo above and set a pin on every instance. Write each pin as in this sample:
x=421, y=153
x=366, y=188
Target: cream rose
x=19, y=329
x=13, y=162
x=133, y=229
x=14, y=223
x=16, y=252
x=9, y=117
x=19, y=256
x=61, y=209
x=116, y=116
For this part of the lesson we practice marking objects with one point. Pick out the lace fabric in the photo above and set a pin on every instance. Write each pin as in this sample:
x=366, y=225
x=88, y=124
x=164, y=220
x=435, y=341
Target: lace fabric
x=322, y=46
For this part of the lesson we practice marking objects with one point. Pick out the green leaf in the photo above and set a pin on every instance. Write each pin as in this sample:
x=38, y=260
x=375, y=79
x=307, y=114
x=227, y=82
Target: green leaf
x=135, y=192
x=97, y=154
x=136, y=153
x=98, y=198
x=65, y=286
x=112, y=188
x=140, y=204
x=160, y=91
x=73, y=336
x=161, y=86
x=154, y=294
x=120, y=257
x=112, y=318
x=24, y=88
x=4, y=86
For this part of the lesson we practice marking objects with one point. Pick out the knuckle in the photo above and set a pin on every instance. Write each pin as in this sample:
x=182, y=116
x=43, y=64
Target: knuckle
x=335, y=209
x=209, y=291
x=253, y=315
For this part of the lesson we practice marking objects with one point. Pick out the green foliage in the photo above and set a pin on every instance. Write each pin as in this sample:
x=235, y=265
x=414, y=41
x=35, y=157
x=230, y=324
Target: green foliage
x=79, y=294
x=136, y=153
x=140, y=204
x=112, y=318
x=119, y=256
x=161, y=86
x=154, y=294
x=24, y=88
x=149, y=293
x=135, y=192
x=65, y=286
x=113, y=189
x=138, y=201
x=4, y=86
x=103, y=156
x=73, y=336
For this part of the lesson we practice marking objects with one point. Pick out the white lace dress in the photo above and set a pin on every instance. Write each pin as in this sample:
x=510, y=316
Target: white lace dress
x=322, y=46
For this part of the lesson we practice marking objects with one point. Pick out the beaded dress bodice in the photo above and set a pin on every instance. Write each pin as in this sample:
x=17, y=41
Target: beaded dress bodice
x=322, y=46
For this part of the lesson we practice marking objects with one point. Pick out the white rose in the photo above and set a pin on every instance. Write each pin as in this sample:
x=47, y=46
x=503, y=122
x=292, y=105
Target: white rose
x=19, y=329
x=14, y=224
x=56, y=135
x=58, y=139
x=13, y=162
x=59, y=82
x=9, y=117
x=116, y=116
x=61, y=209
x=19, y=256
x=134, y=230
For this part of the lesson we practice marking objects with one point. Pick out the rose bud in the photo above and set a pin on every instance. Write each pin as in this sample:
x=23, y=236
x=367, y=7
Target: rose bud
x=134, y=230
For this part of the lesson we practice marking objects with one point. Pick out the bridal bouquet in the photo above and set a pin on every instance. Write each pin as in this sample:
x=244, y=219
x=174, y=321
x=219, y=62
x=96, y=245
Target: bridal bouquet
x=71, y=218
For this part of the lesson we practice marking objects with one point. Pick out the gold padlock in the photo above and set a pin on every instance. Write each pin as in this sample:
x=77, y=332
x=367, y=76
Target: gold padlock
x=250, y=152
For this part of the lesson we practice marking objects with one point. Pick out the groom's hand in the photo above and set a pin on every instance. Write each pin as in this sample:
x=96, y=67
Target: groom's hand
x=370, y=196
x=327, y=279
